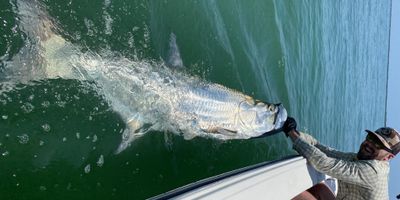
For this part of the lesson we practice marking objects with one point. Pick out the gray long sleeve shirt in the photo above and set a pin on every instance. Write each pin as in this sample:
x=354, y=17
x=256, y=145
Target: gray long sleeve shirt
x=357, y=179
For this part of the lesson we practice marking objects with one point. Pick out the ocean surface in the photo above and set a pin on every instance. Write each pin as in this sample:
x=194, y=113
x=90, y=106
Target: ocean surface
x=326, y=61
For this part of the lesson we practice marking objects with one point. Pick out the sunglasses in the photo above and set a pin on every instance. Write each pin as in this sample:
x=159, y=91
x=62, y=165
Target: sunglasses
x=377, y=143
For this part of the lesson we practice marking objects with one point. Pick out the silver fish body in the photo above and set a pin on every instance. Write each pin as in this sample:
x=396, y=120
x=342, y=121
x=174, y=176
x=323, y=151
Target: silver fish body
x=154, y=97
x=147, y=94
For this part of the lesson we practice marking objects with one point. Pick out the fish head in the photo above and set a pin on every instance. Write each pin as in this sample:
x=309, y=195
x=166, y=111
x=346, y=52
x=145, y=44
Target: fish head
x=281, y=116
x=269, y=117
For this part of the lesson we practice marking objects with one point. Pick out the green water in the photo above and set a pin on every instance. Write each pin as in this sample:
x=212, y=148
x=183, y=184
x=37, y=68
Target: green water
x=326, y=61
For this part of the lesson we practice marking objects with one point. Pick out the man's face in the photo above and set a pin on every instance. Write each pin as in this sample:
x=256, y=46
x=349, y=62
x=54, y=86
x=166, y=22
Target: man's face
x=371, y=149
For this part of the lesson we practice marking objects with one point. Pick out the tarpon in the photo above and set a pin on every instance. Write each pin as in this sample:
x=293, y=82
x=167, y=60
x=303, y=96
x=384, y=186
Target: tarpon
x=148, y=95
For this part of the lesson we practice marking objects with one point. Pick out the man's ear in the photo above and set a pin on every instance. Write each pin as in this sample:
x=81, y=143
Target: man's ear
x=388, y=157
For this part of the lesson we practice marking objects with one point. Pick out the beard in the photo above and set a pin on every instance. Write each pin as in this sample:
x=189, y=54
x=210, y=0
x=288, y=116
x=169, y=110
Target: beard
x=366, y=152
x=364, y=156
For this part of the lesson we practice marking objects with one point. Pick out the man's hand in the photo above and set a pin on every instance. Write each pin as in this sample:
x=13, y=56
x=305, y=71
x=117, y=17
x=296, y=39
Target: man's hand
x=289, y=125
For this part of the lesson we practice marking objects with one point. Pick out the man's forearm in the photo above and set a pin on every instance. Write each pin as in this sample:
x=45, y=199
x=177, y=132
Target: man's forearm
x=293, y=135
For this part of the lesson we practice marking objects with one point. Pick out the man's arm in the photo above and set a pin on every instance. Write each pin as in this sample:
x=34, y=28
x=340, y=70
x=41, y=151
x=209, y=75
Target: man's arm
x=327, y=150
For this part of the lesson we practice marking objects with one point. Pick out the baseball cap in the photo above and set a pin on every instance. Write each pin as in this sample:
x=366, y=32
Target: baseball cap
x=389, y=137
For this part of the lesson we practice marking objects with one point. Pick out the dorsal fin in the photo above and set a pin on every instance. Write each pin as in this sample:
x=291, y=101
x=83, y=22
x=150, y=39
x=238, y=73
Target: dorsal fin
x=174, y=56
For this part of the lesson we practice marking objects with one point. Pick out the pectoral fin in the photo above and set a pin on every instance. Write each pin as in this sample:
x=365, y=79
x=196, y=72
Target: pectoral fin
x=128, y=137
x=222, y=131
x=133, y=131
x=226, y=132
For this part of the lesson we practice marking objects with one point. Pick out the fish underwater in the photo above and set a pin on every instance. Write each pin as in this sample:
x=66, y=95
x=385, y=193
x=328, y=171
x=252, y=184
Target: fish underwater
x=148, y=95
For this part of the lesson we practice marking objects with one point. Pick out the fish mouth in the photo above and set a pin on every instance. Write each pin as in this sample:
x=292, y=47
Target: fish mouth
x=280, y=117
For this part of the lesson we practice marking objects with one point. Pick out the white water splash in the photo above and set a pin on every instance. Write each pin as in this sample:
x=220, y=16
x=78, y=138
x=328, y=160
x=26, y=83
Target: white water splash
x=23, y=139
x=46, y=127
x=27, y=107
x=94, y=138
x=100, y=161
x=87, y=169
x=108, y=20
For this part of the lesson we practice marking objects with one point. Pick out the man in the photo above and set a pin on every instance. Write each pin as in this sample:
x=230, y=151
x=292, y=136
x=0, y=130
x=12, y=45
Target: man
x=362, y=175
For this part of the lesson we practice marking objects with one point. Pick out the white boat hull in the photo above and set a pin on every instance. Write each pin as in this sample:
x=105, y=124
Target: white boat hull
x=283, y=179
